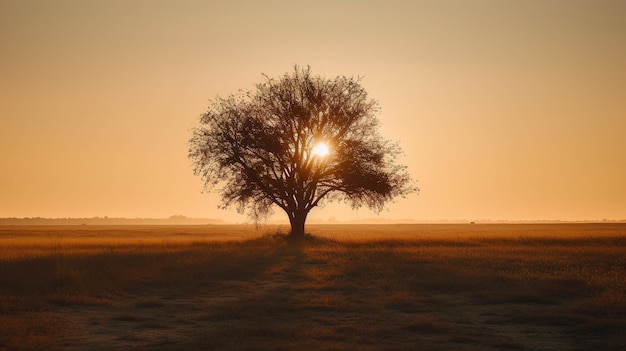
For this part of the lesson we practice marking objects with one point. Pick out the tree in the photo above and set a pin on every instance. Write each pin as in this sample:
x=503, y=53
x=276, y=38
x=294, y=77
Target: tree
x=297, y=142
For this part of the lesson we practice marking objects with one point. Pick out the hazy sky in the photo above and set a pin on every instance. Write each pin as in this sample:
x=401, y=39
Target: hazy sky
x=505, y=109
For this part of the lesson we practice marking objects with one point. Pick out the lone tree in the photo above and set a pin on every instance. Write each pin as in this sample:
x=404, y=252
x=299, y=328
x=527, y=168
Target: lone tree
x=296, y=143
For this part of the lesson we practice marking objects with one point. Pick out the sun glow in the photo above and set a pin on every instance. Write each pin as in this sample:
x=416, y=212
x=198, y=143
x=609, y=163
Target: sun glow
x=321, y=150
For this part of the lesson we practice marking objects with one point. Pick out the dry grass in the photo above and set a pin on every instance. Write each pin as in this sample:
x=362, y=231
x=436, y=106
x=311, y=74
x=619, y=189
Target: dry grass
x=384, y=287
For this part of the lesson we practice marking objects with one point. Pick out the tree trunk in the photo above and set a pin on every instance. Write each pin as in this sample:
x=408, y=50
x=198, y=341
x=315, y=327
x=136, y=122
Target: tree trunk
x=297, y=225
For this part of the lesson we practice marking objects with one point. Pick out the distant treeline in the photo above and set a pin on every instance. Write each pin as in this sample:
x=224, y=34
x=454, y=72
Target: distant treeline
x=172, y=220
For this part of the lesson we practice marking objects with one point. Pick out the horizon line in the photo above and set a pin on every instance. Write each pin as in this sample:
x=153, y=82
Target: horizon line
x=184, y=220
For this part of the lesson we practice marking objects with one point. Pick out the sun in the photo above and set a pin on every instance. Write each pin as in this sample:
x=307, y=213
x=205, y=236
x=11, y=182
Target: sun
x=321, y=150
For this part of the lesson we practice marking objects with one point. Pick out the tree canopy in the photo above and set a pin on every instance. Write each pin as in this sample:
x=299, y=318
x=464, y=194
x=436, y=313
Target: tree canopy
x=295, y=143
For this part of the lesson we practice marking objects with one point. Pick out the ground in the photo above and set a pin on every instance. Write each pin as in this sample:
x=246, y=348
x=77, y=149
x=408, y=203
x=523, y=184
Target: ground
x=385, y=287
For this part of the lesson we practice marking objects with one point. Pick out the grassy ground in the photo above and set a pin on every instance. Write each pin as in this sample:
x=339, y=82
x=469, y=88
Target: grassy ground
x=385, y=287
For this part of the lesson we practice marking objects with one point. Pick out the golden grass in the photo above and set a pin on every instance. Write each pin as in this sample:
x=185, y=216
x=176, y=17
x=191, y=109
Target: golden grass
x=393, y=287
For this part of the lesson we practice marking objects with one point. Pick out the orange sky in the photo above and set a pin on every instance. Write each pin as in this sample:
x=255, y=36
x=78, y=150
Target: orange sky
x=505, y=109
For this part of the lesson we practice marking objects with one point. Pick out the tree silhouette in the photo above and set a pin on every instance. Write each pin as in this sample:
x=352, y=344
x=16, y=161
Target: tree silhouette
x=296, y=143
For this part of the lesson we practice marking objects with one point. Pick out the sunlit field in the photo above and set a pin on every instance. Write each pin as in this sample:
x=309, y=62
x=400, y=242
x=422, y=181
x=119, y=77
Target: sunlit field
x=346, y=287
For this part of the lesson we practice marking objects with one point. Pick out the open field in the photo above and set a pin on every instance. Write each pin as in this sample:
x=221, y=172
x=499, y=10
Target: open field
x=349, y=287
